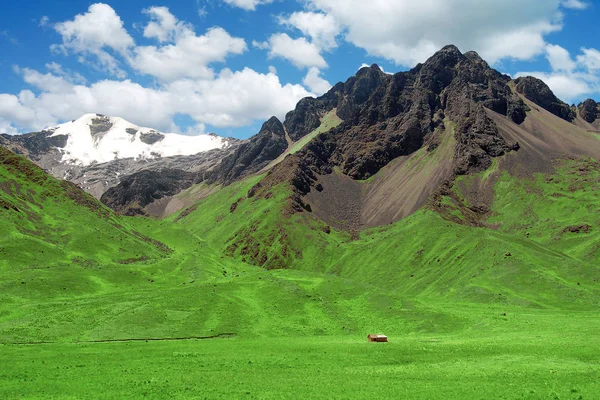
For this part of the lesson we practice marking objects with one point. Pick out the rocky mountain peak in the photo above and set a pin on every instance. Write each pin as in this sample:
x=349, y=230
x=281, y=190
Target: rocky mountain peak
x=254, y=154
x=373, y=69
x=589, y=110
x=389, y=116
x=448, y=56
x=537, y=91
x=273, y=126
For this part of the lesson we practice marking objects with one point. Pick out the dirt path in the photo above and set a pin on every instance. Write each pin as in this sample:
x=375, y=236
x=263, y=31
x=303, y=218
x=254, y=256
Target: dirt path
x=219, y=336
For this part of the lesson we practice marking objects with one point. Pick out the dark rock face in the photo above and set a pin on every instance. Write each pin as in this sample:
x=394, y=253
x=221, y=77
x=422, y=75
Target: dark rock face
x=304, y=119
x=589, y=110
x=138, y=190
x=254, y=154
x=99, y=125
x=151, y=137
x=389, y=116
x=537, y=91
x=35, y=144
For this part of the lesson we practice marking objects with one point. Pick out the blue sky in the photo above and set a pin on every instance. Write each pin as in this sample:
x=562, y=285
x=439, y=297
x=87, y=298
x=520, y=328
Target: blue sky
x=225, y=66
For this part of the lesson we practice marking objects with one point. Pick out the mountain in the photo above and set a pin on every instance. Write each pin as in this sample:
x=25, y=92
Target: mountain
x=445, y=110
x=417, y=140
x=450, y=207
x=589, y=111
x=452, y=115
x=95, y=151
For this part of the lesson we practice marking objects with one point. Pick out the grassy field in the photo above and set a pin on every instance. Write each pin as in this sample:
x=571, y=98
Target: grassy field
x=540, y=355
x=97, y=306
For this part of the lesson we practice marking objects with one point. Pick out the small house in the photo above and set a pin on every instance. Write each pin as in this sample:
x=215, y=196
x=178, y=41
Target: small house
x=377, y=338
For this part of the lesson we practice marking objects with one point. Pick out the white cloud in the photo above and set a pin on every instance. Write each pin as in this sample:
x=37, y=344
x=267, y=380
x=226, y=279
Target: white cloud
x=321, y=28
x=248, y=5
x=232, y=99
x=575, y=4
x=559, y=58
x=189, y=56
x=163, y=25
x=590, y=59
x=92, y=33
x=44, y=21
x=70, y=76
x=260, y=45
x=315, y=82
x=45, y=82
x=14, y=110
x=408, y=32
x=7, y=127
x=182, y=54
x=299, y=51
x=6, y=34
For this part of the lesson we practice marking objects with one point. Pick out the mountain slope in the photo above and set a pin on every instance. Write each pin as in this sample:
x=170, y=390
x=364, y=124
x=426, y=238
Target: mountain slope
x=48, y=223
x=396, y=154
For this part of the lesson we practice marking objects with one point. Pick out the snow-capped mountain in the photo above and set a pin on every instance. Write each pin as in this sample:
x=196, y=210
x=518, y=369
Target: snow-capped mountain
x=96, y=138
x=96, y=152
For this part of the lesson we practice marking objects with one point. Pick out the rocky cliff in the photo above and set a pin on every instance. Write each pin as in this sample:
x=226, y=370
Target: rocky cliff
x=589, y=110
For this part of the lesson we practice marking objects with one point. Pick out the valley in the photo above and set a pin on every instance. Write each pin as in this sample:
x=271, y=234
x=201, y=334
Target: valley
x=449, y=207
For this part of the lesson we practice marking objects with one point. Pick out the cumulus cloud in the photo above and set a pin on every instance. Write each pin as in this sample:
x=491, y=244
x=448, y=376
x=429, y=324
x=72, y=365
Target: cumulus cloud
x=299, y=52
x=7, y=127
x=163, y=25
x=232, y=99
x=590, y=59
x=99, y=33
x=248, y=5
x=189, y=56
x=575, y=4
x=93, y=33
x=67, y=74
x=315, y=82
x=44, y=21
x=570, y=79
x=187, y=84
x=408, y=32
x=182, y=61
x=260, y=45
x=321, y=28
x=14, y=110
x=559, y=58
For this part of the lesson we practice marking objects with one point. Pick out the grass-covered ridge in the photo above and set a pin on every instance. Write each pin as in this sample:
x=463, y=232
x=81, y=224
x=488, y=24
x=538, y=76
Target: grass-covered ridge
x=46, y=222
x=328, y=122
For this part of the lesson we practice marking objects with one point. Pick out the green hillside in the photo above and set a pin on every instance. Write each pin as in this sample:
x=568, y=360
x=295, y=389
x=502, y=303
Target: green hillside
x=94, y=305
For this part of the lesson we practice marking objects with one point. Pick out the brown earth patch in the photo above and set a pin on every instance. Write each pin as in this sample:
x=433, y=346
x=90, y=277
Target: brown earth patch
x=585, y=228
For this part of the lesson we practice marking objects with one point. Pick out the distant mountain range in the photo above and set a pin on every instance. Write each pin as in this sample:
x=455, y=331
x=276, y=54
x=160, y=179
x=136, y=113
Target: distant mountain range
x=453, y=106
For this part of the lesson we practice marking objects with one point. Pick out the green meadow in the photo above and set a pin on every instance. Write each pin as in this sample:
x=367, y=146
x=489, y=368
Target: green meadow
x=93, y=305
